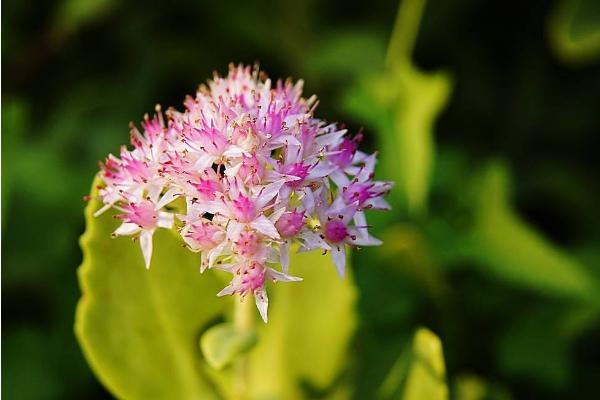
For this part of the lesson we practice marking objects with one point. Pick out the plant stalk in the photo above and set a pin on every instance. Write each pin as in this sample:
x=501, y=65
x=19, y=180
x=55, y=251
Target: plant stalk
x=404, y=33
x=243, y=321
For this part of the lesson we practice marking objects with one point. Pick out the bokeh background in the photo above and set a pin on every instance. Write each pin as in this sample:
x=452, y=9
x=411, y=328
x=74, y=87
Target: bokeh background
x=504, y=262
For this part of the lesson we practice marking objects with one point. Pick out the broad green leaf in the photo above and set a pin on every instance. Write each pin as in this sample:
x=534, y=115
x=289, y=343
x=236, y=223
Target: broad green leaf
x=419, y=373
x=402, y=103
x=310, y=326
x=223, y=343
x=510, y=249
x=139, y=329
x=574, y=30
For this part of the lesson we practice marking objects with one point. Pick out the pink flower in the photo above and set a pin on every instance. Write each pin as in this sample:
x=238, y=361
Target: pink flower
x=298, y=171
x=251, y=278
x=290, y=223
x=343, y=154
x=203, y=235
x=254, y=169
x=335, y=231
x=247, y=245
x=142, y=219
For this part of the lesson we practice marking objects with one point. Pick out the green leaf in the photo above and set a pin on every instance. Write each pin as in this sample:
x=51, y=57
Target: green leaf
x=574, y=30
x=222, y=343
x=427, y=376
x=526, y=349
x=310, y=326
x=139, y=329
x=420, y=372
x=329, y=60
x=401, y=103
x=510, y=249
x=73, y=14
x=472, y=387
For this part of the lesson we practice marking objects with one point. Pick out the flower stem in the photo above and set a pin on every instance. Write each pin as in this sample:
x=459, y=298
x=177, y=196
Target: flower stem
x=243, y=321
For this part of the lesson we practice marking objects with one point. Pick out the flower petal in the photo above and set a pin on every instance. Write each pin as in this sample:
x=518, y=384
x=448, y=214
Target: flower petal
x=102, y=210
x=338, y=253
x=267, y=193
x=366, y=240
x=127, y=229
x=312, y=240
x=165, y=220
x=277, y=276
x=262, y=303
x=284, y=255
x=265, y=226
x=226, y=291
x=168, y=197
x=330, y=138
x=146, y=245
x=233, y=171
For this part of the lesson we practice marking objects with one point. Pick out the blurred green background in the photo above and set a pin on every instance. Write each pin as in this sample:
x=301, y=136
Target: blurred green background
x=494, y=241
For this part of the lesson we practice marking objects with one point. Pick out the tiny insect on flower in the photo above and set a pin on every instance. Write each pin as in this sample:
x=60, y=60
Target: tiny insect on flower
x=254, y=171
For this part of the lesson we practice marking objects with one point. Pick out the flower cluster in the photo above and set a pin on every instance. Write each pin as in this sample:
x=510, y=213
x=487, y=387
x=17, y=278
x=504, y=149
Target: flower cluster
x=243, y=173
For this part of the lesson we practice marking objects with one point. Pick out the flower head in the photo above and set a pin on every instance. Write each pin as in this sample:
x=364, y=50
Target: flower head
x=252, y=166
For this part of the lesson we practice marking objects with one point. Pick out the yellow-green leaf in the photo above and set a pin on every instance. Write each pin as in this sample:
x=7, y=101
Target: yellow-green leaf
x=308, y=335
x=73, y=14
x=507, y=247
x=574, y=30
x=469, y=387
x=222, y=343
x=419, y=373
x=139, y=329
x=402, y=103
x=427, y=376
x=472, y=387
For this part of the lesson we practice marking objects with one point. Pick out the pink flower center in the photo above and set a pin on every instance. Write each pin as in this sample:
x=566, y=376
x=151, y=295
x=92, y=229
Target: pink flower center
x=206, y=139
x=299, y=170
x=206, y=188
x=358, y=192
x=252, y=277
x=247, y=245
x=290, y=224
x=245, y=136
x=206, y=235
x=138, y=170
x=244, y=209
x=252, y=170
x=336, y=231
x=346, y=152
x=142, y=214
